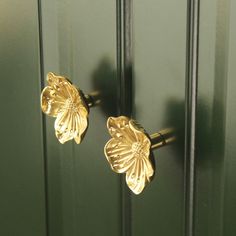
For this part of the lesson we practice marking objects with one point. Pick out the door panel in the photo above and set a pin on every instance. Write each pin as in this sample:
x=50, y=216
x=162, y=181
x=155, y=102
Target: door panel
x=22, y=198
x=215, y=183
x=133, y=53
x=159, y=87
x=79, y=40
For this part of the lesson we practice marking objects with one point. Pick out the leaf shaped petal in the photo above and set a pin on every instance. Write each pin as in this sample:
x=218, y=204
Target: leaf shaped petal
x=51, y=102
x=139, y=175
x=119, y=127
x=62, y=126
x=62, y=86
x=140, y=133
x=69, y=125
x=119, y=155
x=81, y=124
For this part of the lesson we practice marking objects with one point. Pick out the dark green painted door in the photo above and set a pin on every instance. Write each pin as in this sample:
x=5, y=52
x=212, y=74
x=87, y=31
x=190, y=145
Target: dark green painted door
x=215, y=206
x=22, y=173
x=163, y=63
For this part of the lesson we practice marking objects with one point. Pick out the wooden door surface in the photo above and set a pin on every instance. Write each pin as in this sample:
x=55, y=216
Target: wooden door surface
x=164, y=63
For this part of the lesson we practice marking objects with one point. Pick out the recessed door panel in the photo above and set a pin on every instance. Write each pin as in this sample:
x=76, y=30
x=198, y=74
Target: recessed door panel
x=159, y=36
x=215, y=175
x=79, y=41
x=22, y=198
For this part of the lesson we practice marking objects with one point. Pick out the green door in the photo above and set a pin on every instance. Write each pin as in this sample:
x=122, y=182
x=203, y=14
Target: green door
x=164, y=63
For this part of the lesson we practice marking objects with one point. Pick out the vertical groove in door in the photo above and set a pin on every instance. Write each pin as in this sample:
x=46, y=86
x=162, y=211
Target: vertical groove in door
x=190, y=111
x=124, y=73
x=42, y=117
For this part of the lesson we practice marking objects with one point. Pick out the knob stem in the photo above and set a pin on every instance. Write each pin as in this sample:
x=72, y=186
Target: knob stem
x=93, y=99
x=162, y=138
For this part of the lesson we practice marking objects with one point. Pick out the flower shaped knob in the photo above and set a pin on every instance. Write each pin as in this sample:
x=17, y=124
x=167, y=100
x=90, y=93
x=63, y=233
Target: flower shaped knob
x=61, y=99
x=130, y=150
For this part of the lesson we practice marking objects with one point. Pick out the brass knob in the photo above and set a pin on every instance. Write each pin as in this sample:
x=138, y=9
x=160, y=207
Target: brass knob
x=70, y=106
x=130, y=150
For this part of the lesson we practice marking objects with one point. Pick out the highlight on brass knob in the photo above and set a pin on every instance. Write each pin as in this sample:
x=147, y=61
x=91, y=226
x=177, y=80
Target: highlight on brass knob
x=70, y=106
x=130, y=150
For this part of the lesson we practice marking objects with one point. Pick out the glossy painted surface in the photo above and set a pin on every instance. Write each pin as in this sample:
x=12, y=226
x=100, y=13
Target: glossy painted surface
x=83, y=195
x=79, y=39
x=22, y=197
x=215, y=208
x=159, y=72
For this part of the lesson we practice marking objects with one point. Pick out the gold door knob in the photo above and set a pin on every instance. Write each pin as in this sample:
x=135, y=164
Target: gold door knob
x=70, y=106
x=130, y=150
